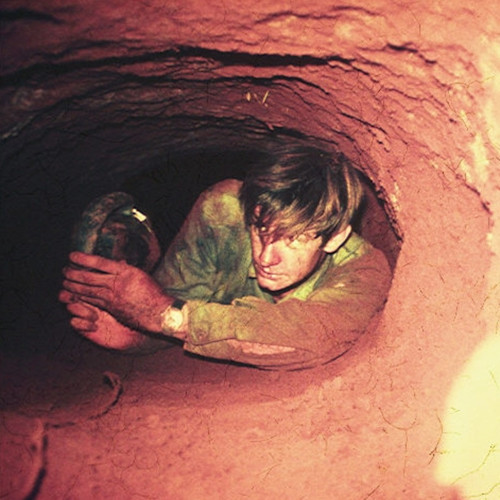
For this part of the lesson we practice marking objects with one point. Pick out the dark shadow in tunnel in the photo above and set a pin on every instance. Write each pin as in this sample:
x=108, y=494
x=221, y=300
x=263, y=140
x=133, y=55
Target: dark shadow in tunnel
x=167, y=191
x=165, y=179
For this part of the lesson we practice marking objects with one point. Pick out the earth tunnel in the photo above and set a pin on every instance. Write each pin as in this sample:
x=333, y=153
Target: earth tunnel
x=162, y=99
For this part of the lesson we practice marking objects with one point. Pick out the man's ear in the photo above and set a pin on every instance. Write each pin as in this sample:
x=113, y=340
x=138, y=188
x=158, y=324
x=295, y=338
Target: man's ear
x=337, y=240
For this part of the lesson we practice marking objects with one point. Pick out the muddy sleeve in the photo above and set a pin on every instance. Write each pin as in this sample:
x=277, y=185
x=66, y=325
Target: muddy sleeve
x=313, y=331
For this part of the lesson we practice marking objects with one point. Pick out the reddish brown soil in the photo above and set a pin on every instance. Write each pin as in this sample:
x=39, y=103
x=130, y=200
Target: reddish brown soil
x=184, y=428
x=85, y=423
x=410, y=91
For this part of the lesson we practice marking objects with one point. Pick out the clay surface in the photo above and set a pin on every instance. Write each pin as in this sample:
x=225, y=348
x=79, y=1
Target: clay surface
x=99, y=96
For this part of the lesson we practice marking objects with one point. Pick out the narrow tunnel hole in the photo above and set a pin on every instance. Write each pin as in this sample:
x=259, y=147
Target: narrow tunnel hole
x=69, y=168
x=162, y=100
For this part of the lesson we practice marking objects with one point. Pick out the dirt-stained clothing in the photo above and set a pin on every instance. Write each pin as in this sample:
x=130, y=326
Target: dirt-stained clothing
x=209, y=264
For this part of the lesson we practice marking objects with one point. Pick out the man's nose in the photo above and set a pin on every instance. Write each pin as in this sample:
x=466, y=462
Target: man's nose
x=269, y=255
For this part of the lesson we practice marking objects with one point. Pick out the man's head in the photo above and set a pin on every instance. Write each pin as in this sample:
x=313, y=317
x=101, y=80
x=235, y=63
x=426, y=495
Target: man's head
x=298, y=205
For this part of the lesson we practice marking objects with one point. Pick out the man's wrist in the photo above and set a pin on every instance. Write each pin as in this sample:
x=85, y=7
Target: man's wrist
x=174, y=319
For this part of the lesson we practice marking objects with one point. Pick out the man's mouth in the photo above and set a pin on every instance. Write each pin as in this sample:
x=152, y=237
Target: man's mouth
x=265, y=274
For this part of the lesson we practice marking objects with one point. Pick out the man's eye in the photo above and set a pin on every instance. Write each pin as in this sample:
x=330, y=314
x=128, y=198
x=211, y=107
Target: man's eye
x=298, y=240
x=260, y=230
x=295, y=241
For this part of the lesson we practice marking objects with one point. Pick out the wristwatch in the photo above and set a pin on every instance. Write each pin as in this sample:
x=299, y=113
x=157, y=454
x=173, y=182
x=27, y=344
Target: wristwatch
x=172, y=317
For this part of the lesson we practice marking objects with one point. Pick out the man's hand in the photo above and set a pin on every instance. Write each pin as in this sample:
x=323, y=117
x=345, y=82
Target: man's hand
x=100, y=327
x=126, y=292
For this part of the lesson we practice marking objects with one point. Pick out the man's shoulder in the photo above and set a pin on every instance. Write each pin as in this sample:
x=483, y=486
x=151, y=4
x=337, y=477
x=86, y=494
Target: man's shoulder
x=355, y=247
x=229, y=188
x=220, y=203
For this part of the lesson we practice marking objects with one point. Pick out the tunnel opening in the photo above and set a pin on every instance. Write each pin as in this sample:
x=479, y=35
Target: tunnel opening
x=164, y=163
x=127, y=99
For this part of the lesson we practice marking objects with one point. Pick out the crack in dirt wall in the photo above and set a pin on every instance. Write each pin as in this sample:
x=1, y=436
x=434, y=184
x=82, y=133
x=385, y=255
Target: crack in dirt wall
x=408, y=92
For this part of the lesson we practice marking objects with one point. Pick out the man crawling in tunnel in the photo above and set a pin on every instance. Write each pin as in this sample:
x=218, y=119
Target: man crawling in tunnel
x=267, y=272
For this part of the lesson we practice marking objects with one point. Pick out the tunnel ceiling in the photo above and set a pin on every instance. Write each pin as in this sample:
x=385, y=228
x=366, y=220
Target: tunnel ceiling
x=94, y=92
x=365, y=78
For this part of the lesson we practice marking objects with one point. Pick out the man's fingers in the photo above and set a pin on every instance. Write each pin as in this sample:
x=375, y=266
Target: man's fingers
x=66, y=297
x=83, y=311
x=95, y=262
x=84, y=318
x=93, y=301
x=87, y=293
x=87, y=277
x=83, y=326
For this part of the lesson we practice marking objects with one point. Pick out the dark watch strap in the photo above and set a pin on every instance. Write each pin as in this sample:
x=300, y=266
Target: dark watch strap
x=178, y=304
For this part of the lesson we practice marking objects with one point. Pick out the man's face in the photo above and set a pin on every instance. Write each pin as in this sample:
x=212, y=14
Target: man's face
x=283, y=262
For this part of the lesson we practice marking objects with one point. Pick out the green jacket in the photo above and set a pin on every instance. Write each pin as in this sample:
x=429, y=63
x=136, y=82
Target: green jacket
x=209, y=265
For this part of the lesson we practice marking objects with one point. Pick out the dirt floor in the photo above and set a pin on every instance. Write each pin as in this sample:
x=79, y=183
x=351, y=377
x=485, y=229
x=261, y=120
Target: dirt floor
x=411, y=92
x=84, y=423
x=92, y=424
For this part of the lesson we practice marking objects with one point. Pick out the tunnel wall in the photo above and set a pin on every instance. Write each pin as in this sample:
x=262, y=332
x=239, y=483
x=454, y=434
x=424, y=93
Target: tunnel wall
x=93, y=93
x=407, y=93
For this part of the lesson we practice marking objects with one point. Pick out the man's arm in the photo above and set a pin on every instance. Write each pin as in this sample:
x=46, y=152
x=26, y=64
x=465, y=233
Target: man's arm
x=106, y=331
x=130, y=300
x=115, y=305
x=128, y=293
x=293, y=333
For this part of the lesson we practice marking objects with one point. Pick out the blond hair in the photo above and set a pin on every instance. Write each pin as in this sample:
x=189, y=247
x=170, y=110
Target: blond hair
x=298, y=189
